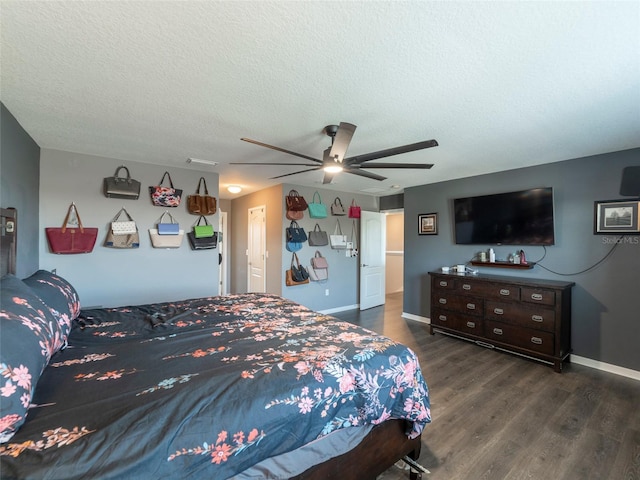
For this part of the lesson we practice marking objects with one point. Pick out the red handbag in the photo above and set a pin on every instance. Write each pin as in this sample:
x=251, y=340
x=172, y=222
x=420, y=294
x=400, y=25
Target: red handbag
x=69, y=240
x=354, y=210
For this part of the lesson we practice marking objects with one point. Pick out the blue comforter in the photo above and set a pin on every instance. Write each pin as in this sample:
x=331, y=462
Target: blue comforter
x=206, y=388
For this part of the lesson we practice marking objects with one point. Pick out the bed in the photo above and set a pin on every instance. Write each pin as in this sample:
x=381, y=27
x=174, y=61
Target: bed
x=237, y=386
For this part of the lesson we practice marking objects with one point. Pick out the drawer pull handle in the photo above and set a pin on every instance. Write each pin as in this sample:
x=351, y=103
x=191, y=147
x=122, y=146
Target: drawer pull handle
x=497, y=331
x=443, y=318
x=443, y=301
x=471, y=306
x=471, y=324
x=466, y=286
x=443, y=283
x=536, y=318
x=505, y=292
x=536, y=340
x=536, y=296
x=498, y=311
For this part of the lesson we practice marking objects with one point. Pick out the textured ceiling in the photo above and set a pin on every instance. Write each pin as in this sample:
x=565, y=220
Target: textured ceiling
x=500, y=85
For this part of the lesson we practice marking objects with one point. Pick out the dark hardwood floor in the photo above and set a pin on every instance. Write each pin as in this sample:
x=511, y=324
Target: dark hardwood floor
x=497, y=416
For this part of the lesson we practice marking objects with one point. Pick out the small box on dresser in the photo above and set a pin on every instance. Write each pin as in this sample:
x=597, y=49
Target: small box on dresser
x=528, y=317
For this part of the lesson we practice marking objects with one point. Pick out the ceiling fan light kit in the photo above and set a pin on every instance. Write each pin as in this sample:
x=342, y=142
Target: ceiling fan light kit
x=334, y=160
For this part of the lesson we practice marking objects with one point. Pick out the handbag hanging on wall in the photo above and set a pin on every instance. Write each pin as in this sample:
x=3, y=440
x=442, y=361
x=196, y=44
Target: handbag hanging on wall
x=202, y=243
x=353, y=241
x=294, y=214
x=70, y=240
x=203, y=231
x=354, y=210
x=319, y=271
x=337, y=209
x=297, y=274
x=295, y=233
x=295, y=201
x=122, y=234
x=172, y=228
x=202, y=237
x=201, y=204
x=317, y=209
x=337, y=239
x=121, y=187
x=318, y=238
x=159, y=240
x=162, y=196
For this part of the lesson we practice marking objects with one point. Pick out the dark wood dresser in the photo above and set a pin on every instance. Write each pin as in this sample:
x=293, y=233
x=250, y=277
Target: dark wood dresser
x=528, y=317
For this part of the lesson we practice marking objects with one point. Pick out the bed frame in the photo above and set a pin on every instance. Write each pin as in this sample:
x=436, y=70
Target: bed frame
x=381, y=448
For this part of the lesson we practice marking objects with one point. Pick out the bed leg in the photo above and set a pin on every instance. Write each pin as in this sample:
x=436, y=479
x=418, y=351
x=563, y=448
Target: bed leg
x=415, y=469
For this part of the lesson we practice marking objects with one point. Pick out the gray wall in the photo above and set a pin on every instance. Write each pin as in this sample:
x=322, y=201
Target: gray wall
x=606, y=301
x=19, y=187
x=111, y=277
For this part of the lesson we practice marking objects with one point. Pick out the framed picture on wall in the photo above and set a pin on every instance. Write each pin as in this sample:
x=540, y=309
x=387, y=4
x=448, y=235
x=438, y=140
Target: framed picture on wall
x=617, y=216
x=428, y=224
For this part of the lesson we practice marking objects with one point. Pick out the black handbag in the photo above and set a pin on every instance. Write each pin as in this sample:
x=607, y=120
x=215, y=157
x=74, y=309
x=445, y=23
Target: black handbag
x=295, y=233
x=202, y=243
x=121, y=187
x=298, y=272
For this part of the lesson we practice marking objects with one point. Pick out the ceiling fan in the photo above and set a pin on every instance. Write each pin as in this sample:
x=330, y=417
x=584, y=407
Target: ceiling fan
x=334, y=161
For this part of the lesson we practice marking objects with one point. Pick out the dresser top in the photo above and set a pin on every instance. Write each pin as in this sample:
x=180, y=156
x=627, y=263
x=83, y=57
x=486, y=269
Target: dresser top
x=535, y=282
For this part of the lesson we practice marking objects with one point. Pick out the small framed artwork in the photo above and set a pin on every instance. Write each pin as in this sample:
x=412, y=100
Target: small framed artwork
x=617, y=216
x=428, y=224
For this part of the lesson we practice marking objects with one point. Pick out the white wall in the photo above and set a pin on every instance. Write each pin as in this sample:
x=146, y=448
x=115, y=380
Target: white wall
x=112, y=277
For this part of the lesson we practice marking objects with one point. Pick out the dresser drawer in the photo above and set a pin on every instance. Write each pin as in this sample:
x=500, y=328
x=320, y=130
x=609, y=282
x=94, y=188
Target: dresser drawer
x=538, y=295
x=487, y=290
x=516, y=314
x=444, y=318
x=470, y=324
x=535, y=340
x=458, y=303
x=444, y=283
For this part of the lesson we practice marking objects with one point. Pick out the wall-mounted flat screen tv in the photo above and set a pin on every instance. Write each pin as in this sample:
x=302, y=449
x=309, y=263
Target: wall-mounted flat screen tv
x=512, y=218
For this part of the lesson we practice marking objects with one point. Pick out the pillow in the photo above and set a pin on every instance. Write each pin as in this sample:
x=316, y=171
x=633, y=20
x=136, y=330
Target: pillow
x=30, y=335
x=58, y=295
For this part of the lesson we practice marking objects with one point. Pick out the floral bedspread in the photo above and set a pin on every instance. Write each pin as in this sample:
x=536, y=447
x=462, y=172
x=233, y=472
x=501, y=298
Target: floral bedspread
x=206, y=388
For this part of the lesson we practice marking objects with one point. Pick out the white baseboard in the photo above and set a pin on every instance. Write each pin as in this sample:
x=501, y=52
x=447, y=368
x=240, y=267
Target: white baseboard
x=340, y=309
x=587, y=362
x=417, y=318
x=606, y=367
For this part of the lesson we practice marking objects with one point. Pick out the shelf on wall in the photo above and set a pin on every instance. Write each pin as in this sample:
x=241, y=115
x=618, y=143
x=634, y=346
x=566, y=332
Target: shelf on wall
x=498, y=264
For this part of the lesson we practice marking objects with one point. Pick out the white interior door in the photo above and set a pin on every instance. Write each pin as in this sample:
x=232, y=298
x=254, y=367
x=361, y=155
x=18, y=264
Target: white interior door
x=373, y=237
x=256, y=253
x=223, y=251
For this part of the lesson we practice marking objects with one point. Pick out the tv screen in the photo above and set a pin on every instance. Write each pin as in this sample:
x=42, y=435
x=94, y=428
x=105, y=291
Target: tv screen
x=512, y=218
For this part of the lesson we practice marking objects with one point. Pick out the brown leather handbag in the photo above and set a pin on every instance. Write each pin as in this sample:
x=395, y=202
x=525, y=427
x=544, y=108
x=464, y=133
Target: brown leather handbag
x=201, y=204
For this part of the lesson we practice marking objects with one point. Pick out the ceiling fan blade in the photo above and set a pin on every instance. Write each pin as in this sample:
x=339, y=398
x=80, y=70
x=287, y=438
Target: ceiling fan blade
x=367, y=157
x=295, y=173
x=363, y=173
x=341, y=141
x=272, y=163
x=393, y=165
x=328, y=177
x=280, y=149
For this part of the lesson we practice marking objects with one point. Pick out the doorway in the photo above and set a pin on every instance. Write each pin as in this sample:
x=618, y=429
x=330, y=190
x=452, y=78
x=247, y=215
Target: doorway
x=394, y=273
